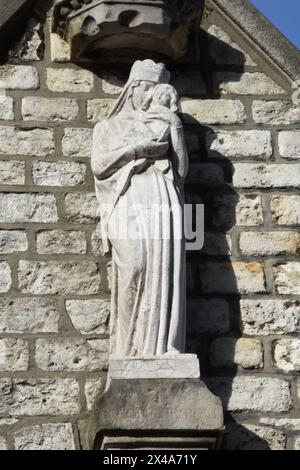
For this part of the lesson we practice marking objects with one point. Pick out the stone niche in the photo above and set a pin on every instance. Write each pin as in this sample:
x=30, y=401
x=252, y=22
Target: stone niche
x=114, y=30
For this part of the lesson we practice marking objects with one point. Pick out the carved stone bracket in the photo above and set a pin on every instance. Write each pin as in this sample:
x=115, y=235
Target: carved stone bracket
x=160, y=27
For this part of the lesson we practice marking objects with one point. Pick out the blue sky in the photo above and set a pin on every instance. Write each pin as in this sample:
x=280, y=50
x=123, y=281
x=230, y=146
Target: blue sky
x=284, y=14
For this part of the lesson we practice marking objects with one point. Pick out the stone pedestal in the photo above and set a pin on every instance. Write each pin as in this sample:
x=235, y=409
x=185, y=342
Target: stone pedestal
x=165, y=411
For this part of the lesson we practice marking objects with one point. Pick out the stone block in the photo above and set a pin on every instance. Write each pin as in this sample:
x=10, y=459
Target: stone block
x=58, y=277
x=49, y=436
x=287, y=278
x=58, y=173
x=28, y=315
x=247, y=83
x=28, y=207
x=60, y=241
x=89, y=316
x=71, y=354
x=285, y=209
x=270, y=317
x=69, y=80
x=12, y=172
x=49, y=109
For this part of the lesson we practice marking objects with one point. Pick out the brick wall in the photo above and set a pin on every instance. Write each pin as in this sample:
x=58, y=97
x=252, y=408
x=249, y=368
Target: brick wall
x=243, y=135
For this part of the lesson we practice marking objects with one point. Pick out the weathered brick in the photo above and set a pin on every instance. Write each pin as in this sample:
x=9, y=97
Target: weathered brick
x=71, y=354
x=89, y=316
x=269, y=243
x=228, y=209
x=77, y=142
x=287, y=278
x=239, y=144
x=111, y=84
x=259, y=175
x=8, y=421
x=253, y=394
x=213, y=111
x=275, y=112
x=249, y=210
x=73, y=81
x=19, y=77
x=81, y=208
x=188, y=83
x=26, y=141
x=93, y=389
x=60, y=241
x=208, y=316
x=297, y=443
x=29, y=207
x=217, y=244
x=50, y=436
x=14, y=354
x=285, y=209
x=38, y=397
x=247, y=83
x=28, y=315
x=55, y=277
x=12, y=172
x=58, y=173
x=3, y=442
x=252, y=437
x=206, y=175
x=98, y=109
x=282, y=423
x=5, y=277
x=60, y=49
x=289, y=144
x=13, y=241
x=6, y=108
x=49, y=109
x=97, y=244
x=286, y=353
x=224, y=50
x=235, y=277
x=269, y=317
x=243, y=352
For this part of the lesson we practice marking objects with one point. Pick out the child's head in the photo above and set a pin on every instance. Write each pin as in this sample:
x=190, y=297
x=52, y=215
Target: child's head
x=166, y=95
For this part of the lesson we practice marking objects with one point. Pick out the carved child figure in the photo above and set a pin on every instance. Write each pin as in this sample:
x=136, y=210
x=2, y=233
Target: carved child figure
x=162, y=105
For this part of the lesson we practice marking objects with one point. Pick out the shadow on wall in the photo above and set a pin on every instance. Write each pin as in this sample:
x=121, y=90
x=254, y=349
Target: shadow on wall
x=213, y=292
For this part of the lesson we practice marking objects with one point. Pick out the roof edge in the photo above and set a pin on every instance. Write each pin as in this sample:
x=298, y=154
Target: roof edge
x=12, y=11
x=263, y=33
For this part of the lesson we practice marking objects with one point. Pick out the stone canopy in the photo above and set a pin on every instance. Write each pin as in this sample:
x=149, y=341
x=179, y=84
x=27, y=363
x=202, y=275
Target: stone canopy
x=161, y=27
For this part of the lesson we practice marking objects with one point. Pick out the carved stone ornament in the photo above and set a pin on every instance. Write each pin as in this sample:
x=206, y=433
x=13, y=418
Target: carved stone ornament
x=161, y=27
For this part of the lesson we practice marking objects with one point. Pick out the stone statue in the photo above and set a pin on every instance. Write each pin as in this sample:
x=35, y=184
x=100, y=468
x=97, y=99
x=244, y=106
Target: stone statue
x=139, y=161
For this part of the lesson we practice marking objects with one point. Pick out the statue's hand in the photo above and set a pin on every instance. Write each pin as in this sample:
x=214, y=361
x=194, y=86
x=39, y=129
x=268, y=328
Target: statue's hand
x=149, y=148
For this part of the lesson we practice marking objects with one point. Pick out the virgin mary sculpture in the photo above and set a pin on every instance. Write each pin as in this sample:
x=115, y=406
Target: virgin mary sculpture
x=139, y=161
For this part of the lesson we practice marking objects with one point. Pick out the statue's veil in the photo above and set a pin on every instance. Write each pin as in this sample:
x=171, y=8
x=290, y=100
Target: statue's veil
x=145, y=70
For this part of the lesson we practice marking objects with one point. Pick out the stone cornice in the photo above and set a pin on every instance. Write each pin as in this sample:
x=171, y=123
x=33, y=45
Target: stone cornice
x=262, y=33
x=11, y=11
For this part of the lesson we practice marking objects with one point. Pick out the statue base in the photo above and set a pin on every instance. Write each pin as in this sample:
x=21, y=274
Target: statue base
x=156, y=412
x=177, y=366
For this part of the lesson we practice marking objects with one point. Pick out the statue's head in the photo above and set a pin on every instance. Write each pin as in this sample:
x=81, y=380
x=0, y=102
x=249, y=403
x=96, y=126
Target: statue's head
x=144, y=76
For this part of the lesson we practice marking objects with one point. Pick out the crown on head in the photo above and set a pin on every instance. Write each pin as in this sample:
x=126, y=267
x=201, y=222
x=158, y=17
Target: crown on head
x=150, y=71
